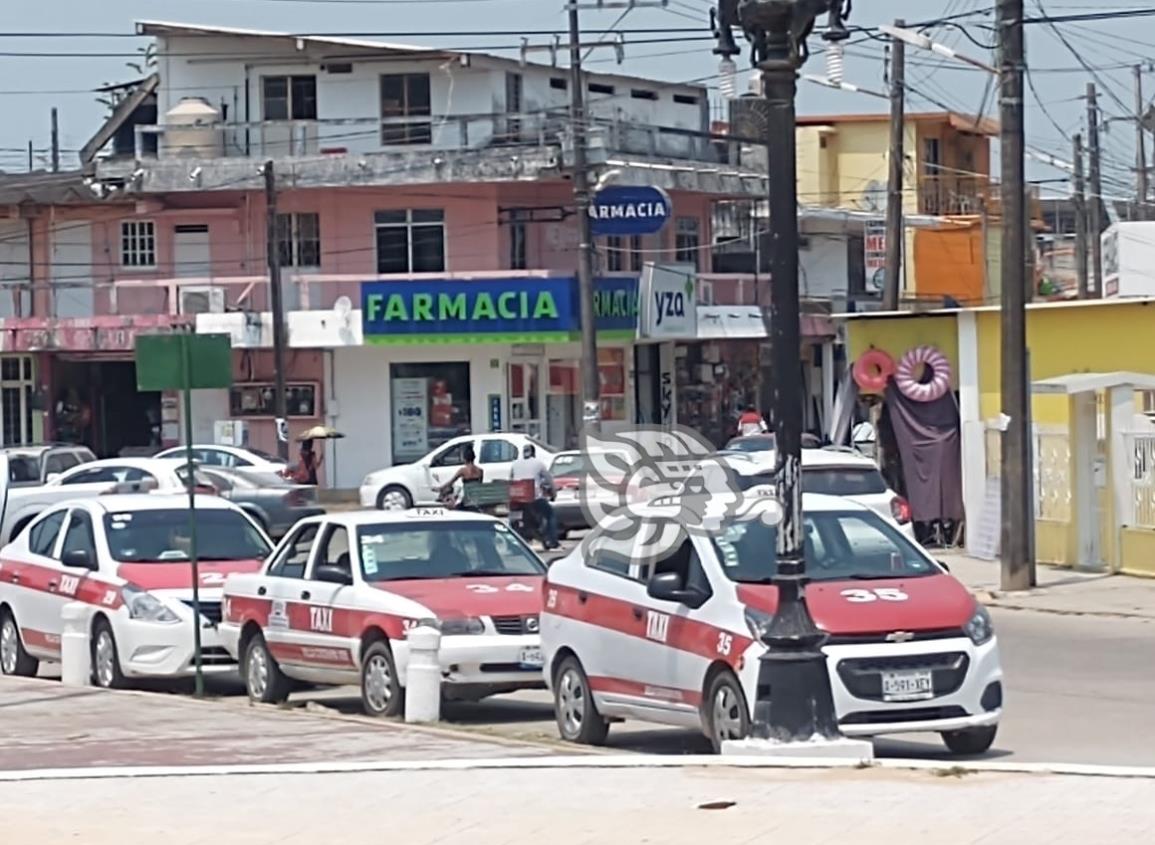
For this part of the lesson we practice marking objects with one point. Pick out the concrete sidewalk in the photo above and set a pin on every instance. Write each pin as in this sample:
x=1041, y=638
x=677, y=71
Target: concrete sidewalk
x=567, y=807
x=46, y=725
x=1062, y=591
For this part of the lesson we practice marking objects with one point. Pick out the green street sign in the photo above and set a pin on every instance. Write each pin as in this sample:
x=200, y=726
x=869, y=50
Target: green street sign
x=183, y=362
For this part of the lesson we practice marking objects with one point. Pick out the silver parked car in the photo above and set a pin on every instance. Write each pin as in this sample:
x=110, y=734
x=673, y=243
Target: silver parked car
x=275, y=502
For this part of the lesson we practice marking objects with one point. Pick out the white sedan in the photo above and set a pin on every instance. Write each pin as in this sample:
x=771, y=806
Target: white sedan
x=126, y=559
x=406, y=485
x=230, y=457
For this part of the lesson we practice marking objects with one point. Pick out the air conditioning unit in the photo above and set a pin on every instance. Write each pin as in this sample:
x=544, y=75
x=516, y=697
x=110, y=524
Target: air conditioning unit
x=202, y=300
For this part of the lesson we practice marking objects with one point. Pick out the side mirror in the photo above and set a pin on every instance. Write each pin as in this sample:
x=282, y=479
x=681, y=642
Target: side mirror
x=943, y=565
x=52, y=476
x=331, y=574
x=79, y=559
x=668, y=586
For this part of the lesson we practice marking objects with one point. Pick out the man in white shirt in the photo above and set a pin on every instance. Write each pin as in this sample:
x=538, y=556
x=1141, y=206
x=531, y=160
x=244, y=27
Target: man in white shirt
x=528, y=467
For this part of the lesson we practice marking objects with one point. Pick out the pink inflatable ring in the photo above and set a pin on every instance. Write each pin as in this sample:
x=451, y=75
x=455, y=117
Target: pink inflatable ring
x=873, y=370
x=923, y=374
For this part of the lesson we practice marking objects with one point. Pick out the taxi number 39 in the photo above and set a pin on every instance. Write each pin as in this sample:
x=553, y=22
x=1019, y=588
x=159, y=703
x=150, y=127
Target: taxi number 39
x=883, y=594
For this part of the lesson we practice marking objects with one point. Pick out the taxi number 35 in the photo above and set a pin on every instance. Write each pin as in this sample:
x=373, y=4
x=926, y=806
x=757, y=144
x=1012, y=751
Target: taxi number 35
x=882, y=594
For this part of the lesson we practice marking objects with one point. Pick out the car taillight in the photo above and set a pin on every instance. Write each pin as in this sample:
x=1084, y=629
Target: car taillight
x=900, y=510
x=206, y=490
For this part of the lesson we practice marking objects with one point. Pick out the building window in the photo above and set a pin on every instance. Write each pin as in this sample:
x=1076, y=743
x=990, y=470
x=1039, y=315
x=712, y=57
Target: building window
x=431, y=406
x=410, y=241
x=405, y=95
x=687, y=240
x=299, y=239
x=518, y=239
x=16, y=386
x=138, y=243
x=615, y=253
x=637, y=257
x=289, y=97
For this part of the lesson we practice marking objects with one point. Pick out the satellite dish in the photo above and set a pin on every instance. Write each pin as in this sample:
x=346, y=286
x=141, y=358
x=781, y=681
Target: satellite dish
x=343, y=306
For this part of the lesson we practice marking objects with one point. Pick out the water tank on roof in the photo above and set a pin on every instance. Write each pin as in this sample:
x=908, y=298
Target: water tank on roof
x=192, y=130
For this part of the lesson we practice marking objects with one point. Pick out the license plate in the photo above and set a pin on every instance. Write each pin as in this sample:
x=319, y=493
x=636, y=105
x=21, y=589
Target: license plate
x=531, y=658
x=907, y=686
x=566, y=495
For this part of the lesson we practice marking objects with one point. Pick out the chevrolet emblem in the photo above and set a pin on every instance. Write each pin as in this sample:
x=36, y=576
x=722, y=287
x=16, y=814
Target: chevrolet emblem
x=899, y=637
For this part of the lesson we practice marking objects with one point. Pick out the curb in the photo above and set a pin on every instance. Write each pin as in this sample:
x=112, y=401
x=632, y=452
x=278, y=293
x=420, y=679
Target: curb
x=614, y=761
x=1007, y=601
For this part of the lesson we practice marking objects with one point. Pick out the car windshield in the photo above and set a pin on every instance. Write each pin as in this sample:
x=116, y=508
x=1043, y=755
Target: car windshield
x=840, y=546
x=405, y=551
x=752, y=443
x=23, y=468
x=162, y=536
x=842, y=481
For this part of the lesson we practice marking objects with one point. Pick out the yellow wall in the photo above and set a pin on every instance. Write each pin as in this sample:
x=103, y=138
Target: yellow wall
x=1138, y=552
x=898, y=334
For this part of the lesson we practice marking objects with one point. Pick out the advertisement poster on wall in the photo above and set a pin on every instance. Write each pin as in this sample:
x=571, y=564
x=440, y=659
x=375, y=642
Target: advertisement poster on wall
x=410, y=418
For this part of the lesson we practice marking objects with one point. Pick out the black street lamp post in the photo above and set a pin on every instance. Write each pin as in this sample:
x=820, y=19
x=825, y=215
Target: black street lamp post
x=794, y=701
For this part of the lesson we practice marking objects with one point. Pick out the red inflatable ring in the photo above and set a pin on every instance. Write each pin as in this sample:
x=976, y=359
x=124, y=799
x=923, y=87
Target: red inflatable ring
x=923, y=374
x=873, y=370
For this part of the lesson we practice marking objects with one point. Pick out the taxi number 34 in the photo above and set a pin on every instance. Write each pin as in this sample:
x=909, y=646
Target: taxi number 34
x=882, y=594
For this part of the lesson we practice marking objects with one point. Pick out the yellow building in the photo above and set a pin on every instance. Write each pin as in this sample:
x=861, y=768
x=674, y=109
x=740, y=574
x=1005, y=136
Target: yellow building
x=843, y=161
x=1094, y=447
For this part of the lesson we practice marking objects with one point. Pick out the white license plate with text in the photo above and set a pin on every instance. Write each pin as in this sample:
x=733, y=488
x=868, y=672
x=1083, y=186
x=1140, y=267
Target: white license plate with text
x=907, y=686
x=531, y=658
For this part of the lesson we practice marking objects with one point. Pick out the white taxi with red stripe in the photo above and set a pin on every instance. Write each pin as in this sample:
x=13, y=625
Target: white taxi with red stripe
x=335, y=599
x=676, y=638
x=126, y=558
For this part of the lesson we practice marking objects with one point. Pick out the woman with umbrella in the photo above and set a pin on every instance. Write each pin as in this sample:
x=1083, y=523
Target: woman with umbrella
x=310, y=462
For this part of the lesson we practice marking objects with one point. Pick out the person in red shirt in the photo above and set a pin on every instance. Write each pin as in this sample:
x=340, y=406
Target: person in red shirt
x=751, y=422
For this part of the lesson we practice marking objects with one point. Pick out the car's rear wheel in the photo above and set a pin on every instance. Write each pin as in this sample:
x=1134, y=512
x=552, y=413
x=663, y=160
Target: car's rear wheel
x=14, y=660
x=727, y=715
x=381, y=693
x=394, y=498
x=264, y=681
x=578, y=719
x=970, y=741
x=106, y=658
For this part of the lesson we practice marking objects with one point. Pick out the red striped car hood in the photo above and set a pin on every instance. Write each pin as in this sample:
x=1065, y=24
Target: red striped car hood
x=518, y=595
x=177, y=575
x=872, y=607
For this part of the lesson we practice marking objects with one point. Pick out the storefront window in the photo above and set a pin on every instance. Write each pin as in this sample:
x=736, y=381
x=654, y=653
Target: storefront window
x=16, y=388
x=431, y=405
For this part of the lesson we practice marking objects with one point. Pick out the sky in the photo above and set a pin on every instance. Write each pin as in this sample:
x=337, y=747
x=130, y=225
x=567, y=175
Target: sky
x=30, y=85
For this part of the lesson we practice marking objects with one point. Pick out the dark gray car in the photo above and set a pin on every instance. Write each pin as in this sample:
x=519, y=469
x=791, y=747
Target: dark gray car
x=276, y=503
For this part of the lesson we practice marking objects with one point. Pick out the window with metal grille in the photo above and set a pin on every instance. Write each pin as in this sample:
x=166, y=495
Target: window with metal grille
x=299, y=239
x=410, y=240
x=289, y=97
x=138, y=243
x=518, y=240
x=615, y=253
x=405, y=95
x=16, y=386
x=687, y=240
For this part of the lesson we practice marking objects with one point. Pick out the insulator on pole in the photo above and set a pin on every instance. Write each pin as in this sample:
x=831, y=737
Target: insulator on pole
x=727, y=82
x=834, y=62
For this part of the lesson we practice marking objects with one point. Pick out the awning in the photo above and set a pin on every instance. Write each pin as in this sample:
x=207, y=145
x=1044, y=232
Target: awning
x=744, y=322
x=1074, y=383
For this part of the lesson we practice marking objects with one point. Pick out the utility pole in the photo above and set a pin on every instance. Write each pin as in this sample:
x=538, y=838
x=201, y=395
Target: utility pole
x=277, y=305
x=1018, y=522
x=1080, y=200
x=794, y=666
x=894, y=227
x=1095, y=217
x=1140, y=144
x=591, y=375
x=55, y=142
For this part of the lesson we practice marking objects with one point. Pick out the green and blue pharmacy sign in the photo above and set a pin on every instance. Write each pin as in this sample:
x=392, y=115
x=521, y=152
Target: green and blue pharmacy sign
x=515, y=310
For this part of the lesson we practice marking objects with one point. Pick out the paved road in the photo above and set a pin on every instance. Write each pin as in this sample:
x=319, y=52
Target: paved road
x=1079, y=690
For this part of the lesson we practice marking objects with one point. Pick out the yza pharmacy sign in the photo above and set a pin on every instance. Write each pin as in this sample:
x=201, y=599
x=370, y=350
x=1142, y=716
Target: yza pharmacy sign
x=669, y=302
x=629, y=210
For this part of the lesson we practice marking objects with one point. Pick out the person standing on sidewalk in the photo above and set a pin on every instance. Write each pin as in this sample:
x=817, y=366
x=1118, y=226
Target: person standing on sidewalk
x=531, y=467
x=751, y=422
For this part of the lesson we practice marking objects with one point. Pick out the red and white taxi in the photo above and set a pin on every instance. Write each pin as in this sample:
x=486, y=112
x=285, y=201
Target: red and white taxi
x=677, y=639
x=335, y=599
x=126, y=557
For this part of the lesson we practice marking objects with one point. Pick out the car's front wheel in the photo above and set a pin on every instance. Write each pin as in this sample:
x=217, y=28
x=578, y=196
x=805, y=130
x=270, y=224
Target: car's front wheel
x=264, y=681
x=970, y=741
x=727, y=715
x=106, y=658
x=394, y=498
x=381, y=693
x=578, y=719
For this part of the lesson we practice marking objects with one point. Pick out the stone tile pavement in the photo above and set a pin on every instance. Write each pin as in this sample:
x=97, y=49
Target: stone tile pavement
x=568, y=807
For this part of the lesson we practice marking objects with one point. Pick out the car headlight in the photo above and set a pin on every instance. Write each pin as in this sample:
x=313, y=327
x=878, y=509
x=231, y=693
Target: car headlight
x=758, y=621
x=980, y=628
x=464, y=626
x=368, y=480
x=146, y=607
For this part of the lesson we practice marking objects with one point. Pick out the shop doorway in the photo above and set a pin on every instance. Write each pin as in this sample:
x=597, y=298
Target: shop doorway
x=96, y=404
x=525, y=398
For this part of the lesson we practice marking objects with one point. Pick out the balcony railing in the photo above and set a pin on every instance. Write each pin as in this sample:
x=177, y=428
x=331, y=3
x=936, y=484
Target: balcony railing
x=360, y=136
x=961, y=195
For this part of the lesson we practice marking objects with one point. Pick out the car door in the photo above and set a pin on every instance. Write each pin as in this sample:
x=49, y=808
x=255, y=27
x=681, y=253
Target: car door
x=282, y=586
x=24, y=578
x=443, y=465
x=323, y=614
x=75, y=570
x=496, y=456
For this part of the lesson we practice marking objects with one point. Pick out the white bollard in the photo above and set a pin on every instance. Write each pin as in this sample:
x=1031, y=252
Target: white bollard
x=75, y=650
x=423, y=674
